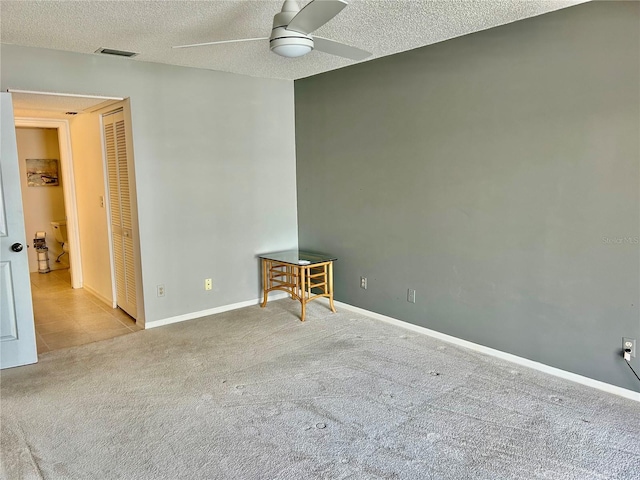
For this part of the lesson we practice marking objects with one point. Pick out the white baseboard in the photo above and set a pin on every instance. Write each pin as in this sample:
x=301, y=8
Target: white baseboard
x=212, y=311
x=101, y=297
x=574, y=377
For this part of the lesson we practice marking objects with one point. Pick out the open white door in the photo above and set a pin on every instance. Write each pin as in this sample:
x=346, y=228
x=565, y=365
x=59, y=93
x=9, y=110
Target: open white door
x=17, y=331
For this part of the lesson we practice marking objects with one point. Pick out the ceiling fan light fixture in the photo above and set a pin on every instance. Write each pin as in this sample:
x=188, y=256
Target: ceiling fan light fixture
x=290, y=44
x=292, y=51
x=291, y=47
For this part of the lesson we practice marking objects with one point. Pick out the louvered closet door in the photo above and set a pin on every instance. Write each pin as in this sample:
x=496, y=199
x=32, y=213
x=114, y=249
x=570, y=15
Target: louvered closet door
x=120, y=204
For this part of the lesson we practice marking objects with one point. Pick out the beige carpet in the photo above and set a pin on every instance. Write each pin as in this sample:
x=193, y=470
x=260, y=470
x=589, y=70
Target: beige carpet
x=255, y=394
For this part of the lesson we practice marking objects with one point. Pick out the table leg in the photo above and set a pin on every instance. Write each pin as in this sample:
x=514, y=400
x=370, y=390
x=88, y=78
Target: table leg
x=333, y=309
x=303, y=294
x=264, y=282
x=291, y=278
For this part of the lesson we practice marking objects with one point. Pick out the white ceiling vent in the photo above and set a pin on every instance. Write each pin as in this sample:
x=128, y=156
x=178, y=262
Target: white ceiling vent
x=117, y=53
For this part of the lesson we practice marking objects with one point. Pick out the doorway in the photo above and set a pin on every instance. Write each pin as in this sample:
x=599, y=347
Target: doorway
x=39, y=138
x=73, y=306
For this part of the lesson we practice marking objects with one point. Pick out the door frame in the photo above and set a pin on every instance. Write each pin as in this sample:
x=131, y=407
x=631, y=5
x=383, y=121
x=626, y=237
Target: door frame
x=68, y=188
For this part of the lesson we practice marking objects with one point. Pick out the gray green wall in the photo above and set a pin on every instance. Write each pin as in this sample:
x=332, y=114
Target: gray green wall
x=208, y=148
x=498, y=175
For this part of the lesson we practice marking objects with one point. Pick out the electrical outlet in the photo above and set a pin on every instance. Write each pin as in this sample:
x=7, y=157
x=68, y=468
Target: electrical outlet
x=411, y=296
x=363, y=282
x=629, y=343
x=101, y=201
x=208, y=284
x=160, y=290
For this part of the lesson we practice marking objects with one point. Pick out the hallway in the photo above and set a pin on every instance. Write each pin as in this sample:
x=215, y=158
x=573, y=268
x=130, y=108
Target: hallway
x=65, y=317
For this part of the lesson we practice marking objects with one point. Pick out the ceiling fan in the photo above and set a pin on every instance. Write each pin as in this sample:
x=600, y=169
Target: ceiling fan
x=292, y=28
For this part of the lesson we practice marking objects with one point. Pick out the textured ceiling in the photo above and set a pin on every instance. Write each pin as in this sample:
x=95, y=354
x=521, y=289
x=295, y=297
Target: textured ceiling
x=151, y=28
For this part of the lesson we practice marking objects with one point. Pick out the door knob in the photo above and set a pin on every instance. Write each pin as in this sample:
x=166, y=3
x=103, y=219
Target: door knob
x=16, y=247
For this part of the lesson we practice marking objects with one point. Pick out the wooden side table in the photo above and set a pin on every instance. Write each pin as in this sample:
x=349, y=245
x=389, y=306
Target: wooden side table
x=298, y=273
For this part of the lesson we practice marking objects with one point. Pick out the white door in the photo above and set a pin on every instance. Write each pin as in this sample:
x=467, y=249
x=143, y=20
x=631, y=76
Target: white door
x=120, y=208
x=17, y=331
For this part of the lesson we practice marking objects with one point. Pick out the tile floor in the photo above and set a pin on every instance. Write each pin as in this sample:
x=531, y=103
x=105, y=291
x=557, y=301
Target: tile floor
x=66, y=317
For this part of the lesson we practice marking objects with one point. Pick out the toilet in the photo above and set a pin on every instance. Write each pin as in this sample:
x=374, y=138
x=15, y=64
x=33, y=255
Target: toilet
x=60, y=233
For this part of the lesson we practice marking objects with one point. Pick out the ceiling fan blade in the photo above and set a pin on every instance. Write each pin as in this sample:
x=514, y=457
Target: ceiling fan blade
x=315, y=14
x=340, y=49
x=220, y=42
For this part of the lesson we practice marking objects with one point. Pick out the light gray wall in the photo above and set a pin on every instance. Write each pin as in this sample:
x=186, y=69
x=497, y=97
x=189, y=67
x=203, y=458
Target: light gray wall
x=209, y=149
x=493, y=173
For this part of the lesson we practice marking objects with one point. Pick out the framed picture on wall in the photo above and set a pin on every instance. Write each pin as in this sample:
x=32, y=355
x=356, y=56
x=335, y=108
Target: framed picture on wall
x=42, y=172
